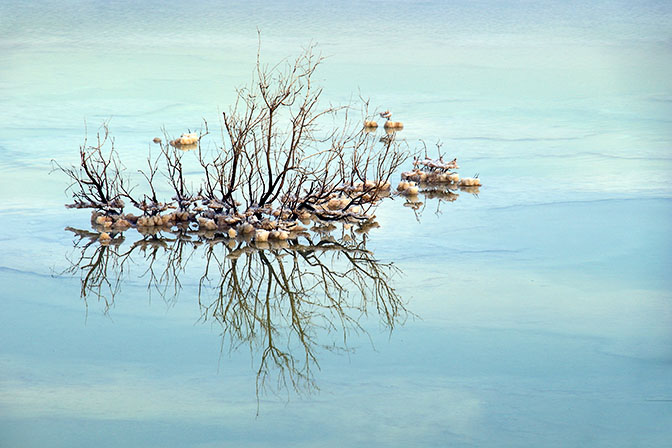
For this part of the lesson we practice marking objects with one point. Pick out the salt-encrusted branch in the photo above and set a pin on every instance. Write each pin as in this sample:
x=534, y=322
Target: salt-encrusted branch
x=435, y=164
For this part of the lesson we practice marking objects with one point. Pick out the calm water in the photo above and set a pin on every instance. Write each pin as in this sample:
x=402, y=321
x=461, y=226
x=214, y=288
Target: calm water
x=536, y=314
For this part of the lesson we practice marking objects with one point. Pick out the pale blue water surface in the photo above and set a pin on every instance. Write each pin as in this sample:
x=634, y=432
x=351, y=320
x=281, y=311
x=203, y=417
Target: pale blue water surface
x=539, y=312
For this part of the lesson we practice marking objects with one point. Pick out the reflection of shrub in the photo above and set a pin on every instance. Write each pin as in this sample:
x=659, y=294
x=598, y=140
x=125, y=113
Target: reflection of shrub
x=284, y=299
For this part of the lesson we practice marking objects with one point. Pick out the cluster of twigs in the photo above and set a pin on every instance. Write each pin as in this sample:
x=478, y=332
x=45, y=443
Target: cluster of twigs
x=432, y=174
x=435, y=166
x=435, y=179
x=274, y=165
x=433, y=171
x=278, y=298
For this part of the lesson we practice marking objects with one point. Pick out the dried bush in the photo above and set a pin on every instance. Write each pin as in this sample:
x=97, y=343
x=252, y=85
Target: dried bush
x=282, y=157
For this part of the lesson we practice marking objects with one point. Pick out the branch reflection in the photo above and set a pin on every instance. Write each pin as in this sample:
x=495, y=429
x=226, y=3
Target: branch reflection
x=284, y=300
x=438, y=194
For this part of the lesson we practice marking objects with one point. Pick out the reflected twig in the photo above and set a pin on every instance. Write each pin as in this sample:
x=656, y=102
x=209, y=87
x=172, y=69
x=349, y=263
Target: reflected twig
x=285, y=300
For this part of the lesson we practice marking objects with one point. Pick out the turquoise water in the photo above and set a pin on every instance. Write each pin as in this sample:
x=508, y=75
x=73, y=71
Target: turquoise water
x=538, y=313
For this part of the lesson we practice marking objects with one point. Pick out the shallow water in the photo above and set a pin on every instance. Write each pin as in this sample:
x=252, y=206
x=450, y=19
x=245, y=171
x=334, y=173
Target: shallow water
x=539, y=312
